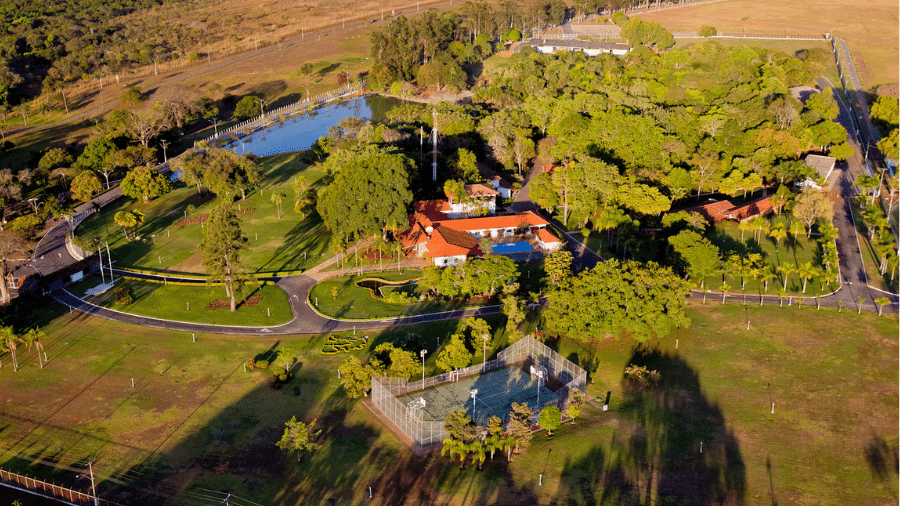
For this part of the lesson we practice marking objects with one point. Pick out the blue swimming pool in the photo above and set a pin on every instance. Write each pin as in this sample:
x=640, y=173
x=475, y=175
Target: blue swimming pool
x=512, y=247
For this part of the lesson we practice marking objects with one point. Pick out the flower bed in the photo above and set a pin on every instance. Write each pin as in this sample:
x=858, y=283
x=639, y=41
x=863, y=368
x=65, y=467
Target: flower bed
x=193, y=220
x=220, y=304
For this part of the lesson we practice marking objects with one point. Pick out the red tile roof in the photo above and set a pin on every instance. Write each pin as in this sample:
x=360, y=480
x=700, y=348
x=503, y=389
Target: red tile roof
x=480, y=190
x=545, y=235
x=756, y=207
x=527, y=219
x=714, y=211
x=439, y=205
x=446, y=242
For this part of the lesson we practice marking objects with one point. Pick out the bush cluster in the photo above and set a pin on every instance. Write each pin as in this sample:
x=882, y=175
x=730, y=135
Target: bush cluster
x=335, y=345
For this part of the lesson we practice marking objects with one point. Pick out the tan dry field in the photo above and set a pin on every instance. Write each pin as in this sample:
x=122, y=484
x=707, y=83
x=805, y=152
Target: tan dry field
x=870, y=27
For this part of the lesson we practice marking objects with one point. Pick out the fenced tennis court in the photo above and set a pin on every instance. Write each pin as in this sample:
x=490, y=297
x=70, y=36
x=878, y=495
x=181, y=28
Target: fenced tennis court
x=496, y=391
x=418, y=408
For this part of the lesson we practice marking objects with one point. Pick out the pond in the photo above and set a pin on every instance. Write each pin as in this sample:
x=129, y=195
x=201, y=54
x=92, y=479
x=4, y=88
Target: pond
x=300, y=132
x=375, y=285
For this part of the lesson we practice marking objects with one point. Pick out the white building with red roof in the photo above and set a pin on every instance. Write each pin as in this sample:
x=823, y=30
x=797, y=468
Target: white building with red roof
x=451, y=242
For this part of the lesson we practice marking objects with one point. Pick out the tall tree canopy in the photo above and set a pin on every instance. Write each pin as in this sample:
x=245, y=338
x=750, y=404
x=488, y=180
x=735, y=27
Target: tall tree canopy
x=369, y=193
x=221, y=246
x=641, y=300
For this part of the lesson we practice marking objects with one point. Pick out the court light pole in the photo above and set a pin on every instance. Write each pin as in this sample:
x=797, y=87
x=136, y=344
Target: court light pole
x=422, y=354
x=484, y=352
x=474, y=392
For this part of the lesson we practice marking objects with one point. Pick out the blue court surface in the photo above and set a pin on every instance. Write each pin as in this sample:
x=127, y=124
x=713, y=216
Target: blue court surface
x=512, y=247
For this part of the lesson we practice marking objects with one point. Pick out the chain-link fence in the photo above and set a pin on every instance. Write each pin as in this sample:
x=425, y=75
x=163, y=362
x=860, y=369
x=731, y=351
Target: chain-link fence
x=409, y=418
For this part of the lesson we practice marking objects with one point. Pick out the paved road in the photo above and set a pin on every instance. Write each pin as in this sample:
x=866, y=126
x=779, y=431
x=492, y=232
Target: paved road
x=306, y=320
x=870, y=133
x=854, y=280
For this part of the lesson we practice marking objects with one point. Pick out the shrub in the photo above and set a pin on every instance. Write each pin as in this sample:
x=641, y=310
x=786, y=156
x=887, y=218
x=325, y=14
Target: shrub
x=282, y=377
x=278, y=371
x=708, y=31
x=262, y=364
x=123, y=295
x=27, y=225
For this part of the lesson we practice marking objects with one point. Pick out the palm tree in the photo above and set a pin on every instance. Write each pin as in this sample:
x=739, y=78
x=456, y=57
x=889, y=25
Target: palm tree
x=9, y=338
x=35, y=337
x=882, y=301
x=786, y=270
x=859, y=302
x=745, y=226
x=725, y=286
x=777, y=232
x=767, y=276
x=758, y=223
x=799, y=302
x=782, y=293
x=806, y=271
x=479, y=452
x=278, y=197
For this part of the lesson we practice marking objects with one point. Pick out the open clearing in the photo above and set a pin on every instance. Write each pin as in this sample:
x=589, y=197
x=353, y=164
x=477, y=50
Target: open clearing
x=196, y=421
x=288, y=243
x=869, y=27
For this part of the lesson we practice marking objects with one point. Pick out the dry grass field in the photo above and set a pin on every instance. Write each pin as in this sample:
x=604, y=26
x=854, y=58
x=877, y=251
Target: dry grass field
x=869, y=27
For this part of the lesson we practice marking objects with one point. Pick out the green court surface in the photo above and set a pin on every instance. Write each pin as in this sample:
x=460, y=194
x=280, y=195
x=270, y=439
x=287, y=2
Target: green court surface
x=497, y=390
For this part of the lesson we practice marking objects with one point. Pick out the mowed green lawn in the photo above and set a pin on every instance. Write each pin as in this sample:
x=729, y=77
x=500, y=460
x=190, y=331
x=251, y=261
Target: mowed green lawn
x=288, y=243
x=188, y=303
x=196, y=421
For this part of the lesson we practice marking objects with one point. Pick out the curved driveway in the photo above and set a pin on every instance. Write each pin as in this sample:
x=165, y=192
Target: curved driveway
x=306, y=320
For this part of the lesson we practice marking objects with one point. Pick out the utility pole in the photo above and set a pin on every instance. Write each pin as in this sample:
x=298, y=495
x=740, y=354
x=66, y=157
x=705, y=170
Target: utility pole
x=93, y=488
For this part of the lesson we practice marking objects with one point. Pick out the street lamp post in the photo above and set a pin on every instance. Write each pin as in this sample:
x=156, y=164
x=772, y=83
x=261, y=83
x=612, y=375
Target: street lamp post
x=422, y=354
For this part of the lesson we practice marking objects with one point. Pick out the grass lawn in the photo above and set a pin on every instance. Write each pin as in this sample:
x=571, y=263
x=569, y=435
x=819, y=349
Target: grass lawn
x=354, y=301
x=288, y=243
x=196, y=423
x=792, y=250
x=188, y=303
x=871, y=260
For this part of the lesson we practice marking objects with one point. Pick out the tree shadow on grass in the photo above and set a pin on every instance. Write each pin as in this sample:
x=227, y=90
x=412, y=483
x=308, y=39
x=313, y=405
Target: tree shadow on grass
x=883, y=459
x=289, y=255
x=659, y=459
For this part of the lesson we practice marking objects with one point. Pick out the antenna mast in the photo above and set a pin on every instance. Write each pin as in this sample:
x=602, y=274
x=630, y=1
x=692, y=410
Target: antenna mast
x=434, y=140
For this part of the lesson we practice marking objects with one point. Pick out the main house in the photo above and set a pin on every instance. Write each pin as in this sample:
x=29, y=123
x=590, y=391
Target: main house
x=434, y=235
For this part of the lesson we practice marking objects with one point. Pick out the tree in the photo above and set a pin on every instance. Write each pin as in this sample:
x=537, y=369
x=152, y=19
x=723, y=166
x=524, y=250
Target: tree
x=131, y=96
x=464, y=167
x=278, y=197
x=146, y=125
x=576, y=400
x=460, y=426
x=27, y=226
x=841, y=151
x=287, y=355
x=298, y=437
x=543, y=192
x=179, y=103
x=550, y=419
x=355, y=377
x=558, y=266
x=247, y=107
x=145, y=183
x=810, y=206
x=128, y=220
x=392, y=361
x=640, y=299
x=85, y=185
x=882, y=301
x=55, y=158
x=370, y=192
x=222, y=243
x=805, y=272
x=454, y=355
x=228, y=174
x=708, y=31
x=700, y=256
x=478, y=330
x=523, y=150
x=519, y=425
x=778, y=232
x=514, y=309
x=304, y=196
